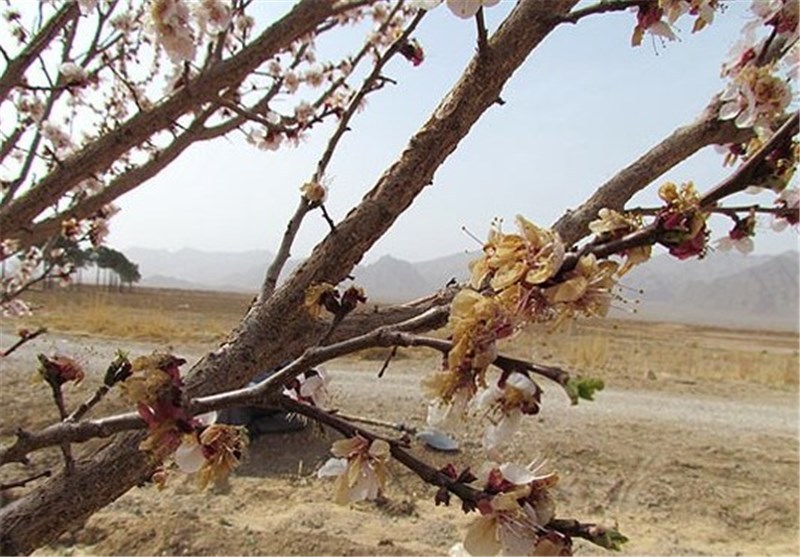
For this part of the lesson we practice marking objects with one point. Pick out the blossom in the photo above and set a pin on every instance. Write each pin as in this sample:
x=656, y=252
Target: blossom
x=514, y=516
x=266, y=140
x=310, y=387
x=450, y=399
x=315, y=192
x=788, y=199
x=303, y=112
x=212, y=454
x=740, y=236
x=612, y=225
x=170, y=21
x=360, y=467
x=59, y=369
x=314, y=76
x=682, y=224
x=648, y=19
x=464, y=9
x=72, y=73
x=503, y=406
x=755, y=98
x=213, y=15
x=530, y=257
x=291, y=81
x=587, y=289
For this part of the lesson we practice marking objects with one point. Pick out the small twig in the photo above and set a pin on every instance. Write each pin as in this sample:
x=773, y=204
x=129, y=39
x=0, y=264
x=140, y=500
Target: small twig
x=284, y=251
x=604, y=6
x=327, y=217
x=388, y=359
x=81, y=410
x=58, y=398
x=25, y=481
x=402, y=428
x=603, y=536
x=483, y=41
x=23, y=339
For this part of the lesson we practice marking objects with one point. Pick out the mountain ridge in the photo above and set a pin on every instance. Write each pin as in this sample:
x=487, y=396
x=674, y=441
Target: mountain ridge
x=725, y=289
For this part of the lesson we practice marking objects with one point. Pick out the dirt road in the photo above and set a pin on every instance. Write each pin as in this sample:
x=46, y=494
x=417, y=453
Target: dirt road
x=683, y=466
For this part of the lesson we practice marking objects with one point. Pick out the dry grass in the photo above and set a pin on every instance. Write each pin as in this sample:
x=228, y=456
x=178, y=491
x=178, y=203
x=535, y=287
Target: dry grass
x=143, y=314
x=610, y=349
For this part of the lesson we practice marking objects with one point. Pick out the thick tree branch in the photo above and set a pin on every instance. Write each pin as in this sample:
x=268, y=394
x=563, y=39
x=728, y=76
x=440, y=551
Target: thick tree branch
x=19, y=65
x=680, y=145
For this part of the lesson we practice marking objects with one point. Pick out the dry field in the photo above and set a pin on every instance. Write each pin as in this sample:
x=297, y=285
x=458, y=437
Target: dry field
x=692, y=448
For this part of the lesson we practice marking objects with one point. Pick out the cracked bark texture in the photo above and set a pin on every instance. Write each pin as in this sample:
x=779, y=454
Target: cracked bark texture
x=277, y=328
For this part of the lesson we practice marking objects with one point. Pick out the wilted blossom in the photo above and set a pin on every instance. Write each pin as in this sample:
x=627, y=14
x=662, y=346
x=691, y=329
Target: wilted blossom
x=586, y=289
x=530, y=257
x=319, y=296
x=213, y=453
x=682, y=224
x=649, y=19
x=503, y=406
x=59, y=369
x=155, y=387
x=360, y=467
x=412, y=51
x=611, y=225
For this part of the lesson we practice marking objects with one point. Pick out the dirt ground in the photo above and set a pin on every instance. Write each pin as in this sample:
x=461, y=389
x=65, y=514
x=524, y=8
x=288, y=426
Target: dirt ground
x=684, y=466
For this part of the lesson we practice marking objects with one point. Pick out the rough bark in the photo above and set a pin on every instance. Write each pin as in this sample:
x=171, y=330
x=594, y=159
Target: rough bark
x=279, y=328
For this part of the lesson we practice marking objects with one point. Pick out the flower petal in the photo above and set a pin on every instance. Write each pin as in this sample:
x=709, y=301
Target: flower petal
x=189, y=455
x=333, y=467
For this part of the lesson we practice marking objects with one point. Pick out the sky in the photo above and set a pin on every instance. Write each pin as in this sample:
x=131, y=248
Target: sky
x=584, y=105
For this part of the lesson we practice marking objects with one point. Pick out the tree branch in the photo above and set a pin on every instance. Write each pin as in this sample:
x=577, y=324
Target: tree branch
x=17, y=67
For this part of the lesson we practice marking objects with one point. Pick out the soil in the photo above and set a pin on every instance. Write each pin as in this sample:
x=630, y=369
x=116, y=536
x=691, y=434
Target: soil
x=682, y=466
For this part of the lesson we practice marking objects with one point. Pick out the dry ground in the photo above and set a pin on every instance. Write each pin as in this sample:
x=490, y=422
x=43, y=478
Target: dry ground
x=692, y=448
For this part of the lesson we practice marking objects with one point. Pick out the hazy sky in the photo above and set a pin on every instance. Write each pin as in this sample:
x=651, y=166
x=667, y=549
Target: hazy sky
x=584, y=105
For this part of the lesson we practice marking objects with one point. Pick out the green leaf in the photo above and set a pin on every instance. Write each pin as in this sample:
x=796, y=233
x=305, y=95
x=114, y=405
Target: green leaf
x=612, y=539
x=583, y=388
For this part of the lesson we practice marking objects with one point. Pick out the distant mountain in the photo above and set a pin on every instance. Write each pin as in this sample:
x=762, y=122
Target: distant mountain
x=391, y=280
x=725, y=289
x=196, y=266
x=437, y=272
